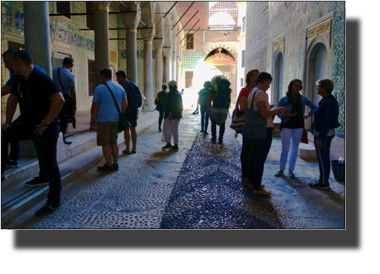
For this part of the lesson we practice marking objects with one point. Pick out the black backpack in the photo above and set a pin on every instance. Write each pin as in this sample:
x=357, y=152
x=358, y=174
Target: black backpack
x=223, y=94
x=203, y=97
x=135, y=99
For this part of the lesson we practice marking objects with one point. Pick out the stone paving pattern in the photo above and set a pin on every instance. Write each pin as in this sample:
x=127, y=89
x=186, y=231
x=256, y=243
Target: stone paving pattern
x=197, y=187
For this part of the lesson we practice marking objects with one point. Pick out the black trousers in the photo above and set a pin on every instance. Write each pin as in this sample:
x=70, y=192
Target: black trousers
x=244, y=156
x=46, y=147
x=221, y=129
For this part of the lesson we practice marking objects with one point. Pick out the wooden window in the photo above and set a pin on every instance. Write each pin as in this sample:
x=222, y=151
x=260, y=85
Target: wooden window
x=16, y=46
x=89, y=18
x=63, y=7
x=188, y=79
x=243, y=25
x=190, y=41
x=91, y=77
x=242, y=58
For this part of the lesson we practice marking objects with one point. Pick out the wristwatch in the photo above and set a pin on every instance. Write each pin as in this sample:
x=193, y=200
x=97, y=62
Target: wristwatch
x=43, y=123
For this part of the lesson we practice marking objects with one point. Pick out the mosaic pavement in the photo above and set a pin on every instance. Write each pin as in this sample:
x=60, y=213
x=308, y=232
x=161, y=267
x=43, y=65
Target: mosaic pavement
x=197, y=187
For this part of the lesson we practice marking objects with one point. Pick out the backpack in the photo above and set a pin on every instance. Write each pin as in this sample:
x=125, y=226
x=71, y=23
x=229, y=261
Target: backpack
x=135, y=99
x=203, y=97
x=223, y=94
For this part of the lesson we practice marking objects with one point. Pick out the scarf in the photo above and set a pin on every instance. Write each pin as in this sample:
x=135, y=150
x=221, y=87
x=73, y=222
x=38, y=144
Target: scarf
x=297, y=101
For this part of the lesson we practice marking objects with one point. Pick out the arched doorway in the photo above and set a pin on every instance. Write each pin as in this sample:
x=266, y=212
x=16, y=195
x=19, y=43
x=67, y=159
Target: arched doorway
x=278, y=78
x=320, y=68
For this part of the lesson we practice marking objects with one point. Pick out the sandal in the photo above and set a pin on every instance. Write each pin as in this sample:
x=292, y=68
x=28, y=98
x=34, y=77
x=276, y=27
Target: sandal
x=133, y=151
x=126, y=151
x=261, y=192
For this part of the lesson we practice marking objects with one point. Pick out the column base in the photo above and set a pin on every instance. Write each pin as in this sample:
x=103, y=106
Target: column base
x=149, y=108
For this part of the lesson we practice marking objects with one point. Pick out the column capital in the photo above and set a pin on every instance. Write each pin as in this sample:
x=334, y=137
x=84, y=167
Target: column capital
x=147, y=34
x=166, y=52
x=158, y=44
x=131, y=19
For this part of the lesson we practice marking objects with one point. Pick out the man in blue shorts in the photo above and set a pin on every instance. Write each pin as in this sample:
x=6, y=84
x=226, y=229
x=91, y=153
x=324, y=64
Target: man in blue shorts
x=131, y=113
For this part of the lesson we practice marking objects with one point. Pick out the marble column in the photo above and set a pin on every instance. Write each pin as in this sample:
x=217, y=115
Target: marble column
x=158, y=66
x=165, y=66
x=166, y=54
x=147, y=35
x=37, y=33
x=131, y=21
x=102, y=51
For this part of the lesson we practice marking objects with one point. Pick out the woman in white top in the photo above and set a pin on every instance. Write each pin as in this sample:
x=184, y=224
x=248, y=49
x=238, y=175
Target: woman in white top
x=260, y=148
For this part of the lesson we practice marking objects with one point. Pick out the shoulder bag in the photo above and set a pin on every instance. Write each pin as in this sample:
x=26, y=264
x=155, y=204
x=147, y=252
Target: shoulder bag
x=123, y=122
x=304, y=134
x=68, y=109
x=238, y=119
x=255, y=125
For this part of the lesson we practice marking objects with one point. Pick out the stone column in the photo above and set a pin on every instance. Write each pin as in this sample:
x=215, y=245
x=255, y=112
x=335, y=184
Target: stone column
x=147, y=35
x=177, y=69
x=159, y=67
x=131, y=20
x=166, y=53
x=102, y=51
x=37, y=33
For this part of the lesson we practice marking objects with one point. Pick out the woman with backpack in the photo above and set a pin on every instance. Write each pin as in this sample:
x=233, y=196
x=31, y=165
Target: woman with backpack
x=202, y=101
x=220, y=95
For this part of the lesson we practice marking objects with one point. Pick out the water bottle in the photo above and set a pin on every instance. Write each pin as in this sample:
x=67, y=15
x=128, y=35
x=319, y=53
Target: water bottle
x=341, y=160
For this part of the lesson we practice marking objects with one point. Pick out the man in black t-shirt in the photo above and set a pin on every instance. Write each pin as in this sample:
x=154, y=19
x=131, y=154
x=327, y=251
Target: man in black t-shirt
x=40, y=102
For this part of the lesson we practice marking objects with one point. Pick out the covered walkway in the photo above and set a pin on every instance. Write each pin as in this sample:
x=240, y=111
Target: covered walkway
x=198, y=187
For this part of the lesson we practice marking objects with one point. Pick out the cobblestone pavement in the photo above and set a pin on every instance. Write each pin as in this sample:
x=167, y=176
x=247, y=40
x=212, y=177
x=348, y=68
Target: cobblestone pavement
x=197, y=186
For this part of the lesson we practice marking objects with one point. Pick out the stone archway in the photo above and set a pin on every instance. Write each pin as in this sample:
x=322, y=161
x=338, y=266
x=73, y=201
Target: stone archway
x=278, y=78
x=223, y=62
x=318, y=65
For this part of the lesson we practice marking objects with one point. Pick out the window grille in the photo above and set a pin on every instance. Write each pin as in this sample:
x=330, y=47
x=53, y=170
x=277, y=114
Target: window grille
x=16, y=46
x=89, y=18
x=243, y=25
x=242, y=58
x=91, y=77
x=64, y=7
x=188, y=79
x=228, y=9
x=190, y=41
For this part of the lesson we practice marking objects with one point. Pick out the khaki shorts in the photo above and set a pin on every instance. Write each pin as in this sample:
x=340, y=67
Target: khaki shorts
x=107, y=133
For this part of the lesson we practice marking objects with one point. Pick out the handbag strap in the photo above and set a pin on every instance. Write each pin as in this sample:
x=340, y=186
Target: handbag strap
x=59, y=78
x=253, y=98
x=303, y=123
x=113, y=97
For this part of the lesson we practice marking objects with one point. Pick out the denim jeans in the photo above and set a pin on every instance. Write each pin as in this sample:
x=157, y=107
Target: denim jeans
x=221, y=129
x=204, y=119
x=323, y=156
x=244, y=156
x=46, y=147
x=15, y=145
x=287, y=134
x=162, y=114
x=257, y=157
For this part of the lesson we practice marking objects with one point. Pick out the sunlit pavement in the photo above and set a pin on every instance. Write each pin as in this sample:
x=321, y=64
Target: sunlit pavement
x=196, y=187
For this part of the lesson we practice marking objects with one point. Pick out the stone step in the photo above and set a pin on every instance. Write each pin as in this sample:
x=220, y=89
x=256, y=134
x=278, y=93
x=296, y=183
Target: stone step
x=307, y=151
x=17, y=199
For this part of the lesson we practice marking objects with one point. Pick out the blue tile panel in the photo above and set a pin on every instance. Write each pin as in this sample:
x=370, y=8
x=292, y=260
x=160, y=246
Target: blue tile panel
x=191, y=58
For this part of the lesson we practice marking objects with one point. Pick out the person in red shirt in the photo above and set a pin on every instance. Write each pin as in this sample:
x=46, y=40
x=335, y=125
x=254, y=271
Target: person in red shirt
x=242, y=100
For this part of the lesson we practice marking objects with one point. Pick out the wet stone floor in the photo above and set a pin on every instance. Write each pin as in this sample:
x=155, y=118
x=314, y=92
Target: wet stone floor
x=196, y=187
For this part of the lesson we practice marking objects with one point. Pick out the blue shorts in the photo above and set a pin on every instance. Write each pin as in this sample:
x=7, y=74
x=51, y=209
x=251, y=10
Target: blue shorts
x=131, y=117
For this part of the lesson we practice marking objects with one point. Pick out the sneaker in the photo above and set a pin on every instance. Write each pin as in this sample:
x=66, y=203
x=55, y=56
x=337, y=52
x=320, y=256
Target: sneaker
x=205, y=133
x=12, y=163
x=279, y=173
x=319, y=185
x=46, y=209
x=291, y=175
x=168, y=145
x=261, y=192
x=175, y=147
x=213, y=139
x=37, y=181
x=106, y=168
x=201, y=131
x=220, y=141
x=115, y=166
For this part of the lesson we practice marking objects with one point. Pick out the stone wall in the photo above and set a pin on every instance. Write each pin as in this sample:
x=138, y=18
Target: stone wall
x=271, y=20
